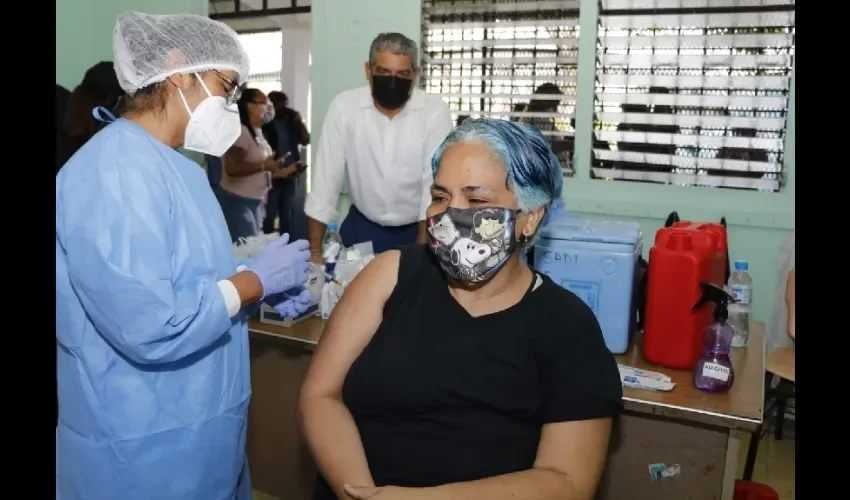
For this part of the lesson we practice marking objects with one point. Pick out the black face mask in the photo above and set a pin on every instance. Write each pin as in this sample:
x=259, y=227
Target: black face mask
x=391, y=92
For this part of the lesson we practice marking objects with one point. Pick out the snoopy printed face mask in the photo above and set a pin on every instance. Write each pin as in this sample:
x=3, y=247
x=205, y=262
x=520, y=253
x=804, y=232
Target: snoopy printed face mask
x=471, y=244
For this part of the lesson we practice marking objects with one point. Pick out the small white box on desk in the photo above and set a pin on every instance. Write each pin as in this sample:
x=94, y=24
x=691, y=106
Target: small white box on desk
x=643, y=379
x=271, y=317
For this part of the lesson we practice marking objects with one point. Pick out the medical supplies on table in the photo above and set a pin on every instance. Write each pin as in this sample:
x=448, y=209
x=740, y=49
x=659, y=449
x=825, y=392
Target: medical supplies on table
x=350, y=261
x=325, y=289
x=636, y=378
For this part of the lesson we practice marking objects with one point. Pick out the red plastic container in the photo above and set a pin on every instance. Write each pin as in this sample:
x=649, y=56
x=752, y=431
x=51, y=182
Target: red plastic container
x=720, y=245
x=683, y=255
x=747, y=490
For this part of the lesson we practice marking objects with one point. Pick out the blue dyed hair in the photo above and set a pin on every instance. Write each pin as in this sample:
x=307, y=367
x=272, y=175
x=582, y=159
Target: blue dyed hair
x=534, y=172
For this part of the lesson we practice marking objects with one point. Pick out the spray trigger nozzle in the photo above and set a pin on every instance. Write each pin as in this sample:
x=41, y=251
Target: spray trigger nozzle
x=718, y=295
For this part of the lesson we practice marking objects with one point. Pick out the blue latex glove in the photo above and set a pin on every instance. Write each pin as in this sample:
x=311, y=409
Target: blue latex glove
x=281, y=265
x=291, y=303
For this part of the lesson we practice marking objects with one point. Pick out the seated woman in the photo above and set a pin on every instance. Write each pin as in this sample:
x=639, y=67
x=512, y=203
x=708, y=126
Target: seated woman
x=249, y=167
x=452, y=369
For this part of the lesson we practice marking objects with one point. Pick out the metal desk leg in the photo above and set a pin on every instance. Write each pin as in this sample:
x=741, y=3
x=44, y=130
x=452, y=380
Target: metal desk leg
x=752, y=451
x=780, y=417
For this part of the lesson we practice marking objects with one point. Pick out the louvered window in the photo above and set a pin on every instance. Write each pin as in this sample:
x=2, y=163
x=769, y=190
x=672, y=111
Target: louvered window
x=512, y=59
x=693, y=92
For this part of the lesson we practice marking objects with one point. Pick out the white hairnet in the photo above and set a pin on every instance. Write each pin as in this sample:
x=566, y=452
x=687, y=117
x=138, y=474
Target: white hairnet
x=149, y=48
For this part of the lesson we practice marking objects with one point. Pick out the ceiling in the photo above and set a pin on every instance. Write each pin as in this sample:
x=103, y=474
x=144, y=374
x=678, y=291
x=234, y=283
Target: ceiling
x=252, y=18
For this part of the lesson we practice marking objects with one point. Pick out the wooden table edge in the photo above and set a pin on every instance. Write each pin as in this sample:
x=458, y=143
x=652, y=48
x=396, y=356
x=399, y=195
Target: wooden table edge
x=630, y=403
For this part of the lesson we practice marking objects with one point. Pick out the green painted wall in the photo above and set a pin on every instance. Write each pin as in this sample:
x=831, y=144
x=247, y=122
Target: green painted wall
x=759, y=222
x=84, y=30
x=84, y=33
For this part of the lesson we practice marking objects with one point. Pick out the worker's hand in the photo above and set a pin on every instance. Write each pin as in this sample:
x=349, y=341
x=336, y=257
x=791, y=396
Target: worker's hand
x=292, y=303
x=286, y=172
x=271, y=164
x=281, y=265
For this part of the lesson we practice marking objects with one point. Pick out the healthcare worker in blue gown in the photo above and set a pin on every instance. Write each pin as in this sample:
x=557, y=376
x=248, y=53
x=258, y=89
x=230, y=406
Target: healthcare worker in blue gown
x=152, y=342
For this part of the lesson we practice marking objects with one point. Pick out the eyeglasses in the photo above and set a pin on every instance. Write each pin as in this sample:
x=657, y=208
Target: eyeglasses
x=234, y=89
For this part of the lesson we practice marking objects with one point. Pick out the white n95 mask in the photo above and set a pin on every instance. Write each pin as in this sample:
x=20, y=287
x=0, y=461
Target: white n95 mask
x=214, y=125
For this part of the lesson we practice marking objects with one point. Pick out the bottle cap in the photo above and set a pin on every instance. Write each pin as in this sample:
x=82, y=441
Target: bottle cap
x=332, y=226
x=741, y=265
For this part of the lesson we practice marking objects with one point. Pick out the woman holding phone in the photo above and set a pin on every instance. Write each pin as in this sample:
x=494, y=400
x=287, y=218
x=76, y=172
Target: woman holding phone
x=249, y=167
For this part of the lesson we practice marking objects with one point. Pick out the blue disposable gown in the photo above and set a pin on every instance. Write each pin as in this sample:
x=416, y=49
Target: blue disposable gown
x=153, y=375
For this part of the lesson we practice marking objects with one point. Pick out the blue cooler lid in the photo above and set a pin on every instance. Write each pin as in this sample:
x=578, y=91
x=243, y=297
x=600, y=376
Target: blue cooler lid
x=592, y=231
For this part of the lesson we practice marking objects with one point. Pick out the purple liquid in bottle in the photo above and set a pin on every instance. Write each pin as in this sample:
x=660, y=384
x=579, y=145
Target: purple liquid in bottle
x=713, y=372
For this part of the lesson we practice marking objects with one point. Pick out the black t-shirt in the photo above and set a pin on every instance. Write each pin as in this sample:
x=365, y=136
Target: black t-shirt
x=440, y=396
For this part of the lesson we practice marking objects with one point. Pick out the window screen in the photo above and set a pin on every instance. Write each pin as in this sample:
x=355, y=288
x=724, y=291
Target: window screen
x=693, y=92
x=508, y=59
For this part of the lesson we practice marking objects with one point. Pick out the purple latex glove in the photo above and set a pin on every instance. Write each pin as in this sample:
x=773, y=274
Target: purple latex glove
x=291, y=303
x=281, y=265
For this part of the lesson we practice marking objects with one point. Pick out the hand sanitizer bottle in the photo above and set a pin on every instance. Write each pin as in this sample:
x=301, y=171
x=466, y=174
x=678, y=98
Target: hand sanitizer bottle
x=713, y=372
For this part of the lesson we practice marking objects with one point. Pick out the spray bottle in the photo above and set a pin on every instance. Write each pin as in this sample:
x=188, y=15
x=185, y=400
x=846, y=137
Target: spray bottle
x=713, y=372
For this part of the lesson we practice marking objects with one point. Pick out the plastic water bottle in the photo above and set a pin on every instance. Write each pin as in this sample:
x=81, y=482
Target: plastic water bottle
x=741, y=286
x=331, y=248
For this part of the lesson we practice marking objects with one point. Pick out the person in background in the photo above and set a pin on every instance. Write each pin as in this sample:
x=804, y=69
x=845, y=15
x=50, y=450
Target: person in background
x=453, y=370
x=781, y=327
x=790, y=301
x=562, y=145
x=542, y=105
x=99, y=89
x=379, y=137
x=152, y=344
x=297, y=132
x=291, y=132
x=249, y=167
x=781, y=330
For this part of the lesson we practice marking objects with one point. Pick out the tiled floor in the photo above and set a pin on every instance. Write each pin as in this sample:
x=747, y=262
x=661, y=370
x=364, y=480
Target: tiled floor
x=774, y=465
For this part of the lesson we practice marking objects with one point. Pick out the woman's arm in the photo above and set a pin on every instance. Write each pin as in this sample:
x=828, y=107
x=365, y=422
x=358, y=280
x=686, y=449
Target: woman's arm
x=569, y=464
x=327, y=424
x=304, y=139
x=790, y=301
x=286, y=172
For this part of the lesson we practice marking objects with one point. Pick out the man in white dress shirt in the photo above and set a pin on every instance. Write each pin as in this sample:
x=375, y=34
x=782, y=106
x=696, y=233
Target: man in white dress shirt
x=381, y=138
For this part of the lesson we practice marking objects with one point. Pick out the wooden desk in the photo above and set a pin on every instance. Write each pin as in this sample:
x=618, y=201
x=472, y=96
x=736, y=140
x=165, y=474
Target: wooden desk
x=280, y=463
x=740, y=408
x=699, y=432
